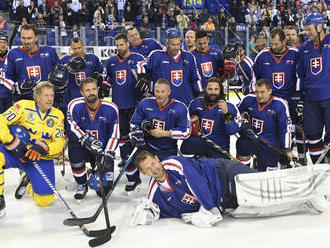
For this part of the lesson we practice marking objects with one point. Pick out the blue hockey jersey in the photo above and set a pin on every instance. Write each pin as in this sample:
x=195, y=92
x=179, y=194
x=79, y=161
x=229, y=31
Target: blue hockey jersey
x=314, y=70
x=4, y=92
x=92, y=64
x=122, y=81
x=146, y=47
x=102, y=123
x=208, y=64
x=271, y=121
x=173, y=117
x=212, y=121
x=249, y=82
x=180, y=71
x=22, y=65
x=280, y=71
x=189, y=184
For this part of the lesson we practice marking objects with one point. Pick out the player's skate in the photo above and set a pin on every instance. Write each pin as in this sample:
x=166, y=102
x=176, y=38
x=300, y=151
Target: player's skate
x=2, y=206
x=133, y=186
x=81, y=192
x=21, y=189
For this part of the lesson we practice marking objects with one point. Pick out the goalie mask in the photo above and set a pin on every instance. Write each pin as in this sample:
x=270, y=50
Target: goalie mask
x=59, y=77
x=76, y=64
x=230, y=51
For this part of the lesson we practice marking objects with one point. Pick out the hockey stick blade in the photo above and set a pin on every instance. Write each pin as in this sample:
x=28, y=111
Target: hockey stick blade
x=102, y=239
x=101, y=232
x=79, y=221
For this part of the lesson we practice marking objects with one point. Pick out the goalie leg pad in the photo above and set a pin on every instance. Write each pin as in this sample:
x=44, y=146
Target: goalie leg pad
x=283, y=186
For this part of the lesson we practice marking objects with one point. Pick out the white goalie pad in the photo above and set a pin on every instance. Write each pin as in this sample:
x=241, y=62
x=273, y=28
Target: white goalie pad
x=283, y=187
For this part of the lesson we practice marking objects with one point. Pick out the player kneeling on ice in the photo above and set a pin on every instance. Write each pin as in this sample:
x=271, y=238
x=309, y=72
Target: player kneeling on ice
x=197, y=190
x=32, y=132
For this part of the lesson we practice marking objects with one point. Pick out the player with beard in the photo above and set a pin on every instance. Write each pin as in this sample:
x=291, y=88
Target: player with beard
x=215, y=118
x=93, y=134
x=124, y=93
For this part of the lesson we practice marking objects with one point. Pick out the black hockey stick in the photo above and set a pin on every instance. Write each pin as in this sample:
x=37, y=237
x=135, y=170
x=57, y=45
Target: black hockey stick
x=211, y=142
x=61, y=199
x=110, y=229
x=271, y=146
x=82, y=221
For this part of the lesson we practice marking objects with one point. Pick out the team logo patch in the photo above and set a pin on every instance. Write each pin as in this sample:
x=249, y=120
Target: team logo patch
x=258, y=125
x=79, y=76
x=207, y=126
x=50, y=122
x=189, y=199
x=316, y=65
x=121, y=77
x=34, y=72
x=158, y=124
x=207, y=69
x=278, y=79
x=177, y=77
x=31, y=116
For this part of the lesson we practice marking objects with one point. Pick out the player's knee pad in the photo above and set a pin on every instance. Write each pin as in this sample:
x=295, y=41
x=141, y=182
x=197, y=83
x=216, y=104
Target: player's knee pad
x=44, y=200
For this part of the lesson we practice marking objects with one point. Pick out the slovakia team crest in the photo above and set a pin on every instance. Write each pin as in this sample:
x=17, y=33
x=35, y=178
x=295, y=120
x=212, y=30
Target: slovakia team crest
x=121, y=77
x=34, y=72
x=177, y=77
x=207, y=126
x=278, y=79
x=79, y=76
x=207, y=69
x=316, y=65
x=258, y=125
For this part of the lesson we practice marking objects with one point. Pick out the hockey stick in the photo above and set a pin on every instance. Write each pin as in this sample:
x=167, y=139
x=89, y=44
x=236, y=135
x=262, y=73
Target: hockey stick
x=271, y=146
x=323, y=154
x=224, y=152
x=82, y=221
x=61, y=199
x=109, y=230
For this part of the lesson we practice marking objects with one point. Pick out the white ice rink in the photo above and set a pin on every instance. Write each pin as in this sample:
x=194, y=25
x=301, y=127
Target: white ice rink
x=28, y=226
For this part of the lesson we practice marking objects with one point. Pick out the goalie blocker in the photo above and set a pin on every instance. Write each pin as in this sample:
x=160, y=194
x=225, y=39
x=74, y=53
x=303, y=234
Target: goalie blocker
x=195, y=190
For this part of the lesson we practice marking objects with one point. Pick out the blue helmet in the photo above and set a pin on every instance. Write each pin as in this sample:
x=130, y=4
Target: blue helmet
x=315, y=19
x=21, y=133
x=173, y=32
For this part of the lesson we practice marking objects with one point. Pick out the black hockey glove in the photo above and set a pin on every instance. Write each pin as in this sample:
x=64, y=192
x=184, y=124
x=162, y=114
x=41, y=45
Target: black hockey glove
x=76, y=64
x=24, y=87
x=137, y=137
x=146, y=126
x=98, y=77
x=92, y=144
x=107, y=162
x=246, y=128
x=143, y=83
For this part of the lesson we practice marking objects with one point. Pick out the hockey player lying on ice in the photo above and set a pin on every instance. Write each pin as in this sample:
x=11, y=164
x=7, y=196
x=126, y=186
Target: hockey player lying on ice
x=197, y=190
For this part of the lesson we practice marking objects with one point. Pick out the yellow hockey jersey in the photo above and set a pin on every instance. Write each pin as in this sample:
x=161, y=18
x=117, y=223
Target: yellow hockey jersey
x=47, y=127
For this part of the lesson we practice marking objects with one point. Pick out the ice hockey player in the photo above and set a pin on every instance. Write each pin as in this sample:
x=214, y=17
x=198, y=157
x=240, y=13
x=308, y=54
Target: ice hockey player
x=197, y=191
x=313, y=70
x=5, y=94
x=93, y=132
x=268, y=117
x=158, y=123
x=214, y=117
x=176, y=66
x=124, y=93
x=42, y=140
x=141, y=46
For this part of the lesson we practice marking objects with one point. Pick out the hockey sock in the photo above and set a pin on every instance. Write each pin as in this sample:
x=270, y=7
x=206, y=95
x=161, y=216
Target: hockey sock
x=2, y=173
x=316, y=148
x=79, y=172
x=132, y=174
x=300, y=145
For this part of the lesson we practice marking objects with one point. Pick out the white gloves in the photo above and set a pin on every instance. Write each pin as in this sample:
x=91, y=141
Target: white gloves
x=145, y=213
x=203, y=218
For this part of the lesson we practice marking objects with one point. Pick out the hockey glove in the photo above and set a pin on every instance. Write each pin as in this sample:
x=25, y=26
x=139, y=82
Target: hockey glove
x=76, y=64
x=203, y=218
x=107, y=162
x=137, y=137
x=98, y=77
x=229, y=67
x=35, y=152
x=143, y=83
x=146, y=126
x=246, y=128
x=92, y=144
x=195, y=127
x=23, y=88
x=145, y=213
x=17, y=149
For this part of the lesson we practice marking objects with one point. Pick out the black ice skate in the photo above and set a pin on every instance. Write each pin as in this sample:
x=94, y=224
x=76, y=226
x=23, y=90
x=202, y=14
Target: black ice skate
x=2, y=206
x=81, y=192
x=131, y=187
x=21, y=189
